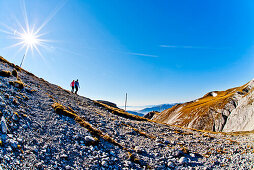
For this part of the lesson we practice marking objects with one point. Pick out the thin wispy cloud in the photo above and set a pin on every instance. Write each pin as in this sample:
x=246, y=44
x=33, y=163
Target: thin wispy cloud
x=145, y=55
x=193, y=47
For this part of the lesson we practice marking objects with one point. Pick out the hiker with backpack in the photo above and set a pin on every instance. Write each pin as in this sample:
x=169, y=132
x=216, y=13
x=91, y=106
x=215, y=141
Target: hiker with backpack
x=72, y=86
x=76, y=86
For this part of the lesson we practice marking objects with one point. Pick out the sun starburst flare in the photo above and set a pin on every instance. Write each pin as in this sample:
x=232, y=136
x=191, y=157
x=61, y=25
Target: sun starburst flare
x=27, y=36
x=29, y=39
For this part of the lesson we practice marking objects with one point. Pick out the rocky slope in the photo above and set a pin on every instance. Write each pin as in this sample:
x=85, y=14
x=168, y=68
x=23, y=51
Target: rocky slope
x=46, y=127
x=230, y=110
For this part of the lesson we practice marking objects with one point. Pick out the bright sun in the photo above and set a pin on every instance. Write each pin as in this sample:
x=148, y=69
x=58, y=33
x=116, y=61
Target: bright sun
x=29, y=39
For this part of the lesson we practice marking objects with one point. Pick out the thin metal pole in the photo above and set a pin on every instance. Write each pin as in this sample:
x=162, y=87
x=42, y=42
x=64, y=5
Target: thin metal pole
x=125, y=101
x=22, y=60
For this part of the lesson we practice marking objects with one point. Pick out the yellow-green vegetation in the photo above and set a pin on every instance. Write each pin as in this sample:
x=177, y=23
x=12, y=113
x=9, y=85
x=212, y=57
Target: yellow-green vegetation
x=6, y=96
x=251, y=101
x=96, y=132
x=221, y=151
x=18, y=84
x=140, y=132
x=3, y=60
x=25, y=98
x=60, y=109
x=14, y=73
x=15, y=101
x=134, y=159
x=30, y=90
x=184, y=150
x=120, y=112
x=16, y=114
x=200, y=108
x=240, y=133
x=10, y=64
x=5, y=73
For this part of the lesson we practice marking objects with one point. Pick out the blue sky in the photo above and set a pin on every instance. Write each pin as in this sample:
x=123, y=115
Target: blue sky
x=157, y=51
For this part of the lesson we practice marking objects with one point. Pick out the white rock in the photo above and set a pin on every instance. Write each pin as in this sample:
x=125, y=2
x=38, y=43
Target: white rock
x=183, y=160
x=67, y=167
x=2, y=104
x=4, y=125
x=192, y=155
x=39, y=164
x=104, y=163
x=89, y=139
x=63, y=156
x=138, y=149
x=9, y=149
x=214, y=94
x=10, y=135
x=7, y=158
x=14, y=144
x=19, y=140
x=171, y=164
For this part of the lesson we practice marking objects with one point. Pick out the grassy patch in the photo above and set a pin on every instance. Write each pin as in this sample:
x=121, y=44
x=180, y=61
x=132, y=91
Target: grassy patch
x=60, y=109
x=9, y=63
x=140, y=132
x=18, y=84
x=5, y=73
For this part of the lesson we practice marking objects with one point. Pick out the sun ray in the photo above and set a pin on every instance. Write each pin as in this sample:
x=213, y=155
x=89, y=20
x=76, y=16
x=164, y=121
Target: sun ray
x=6, y=32
x=14, y=45
x=49, y=18
x=23, y=8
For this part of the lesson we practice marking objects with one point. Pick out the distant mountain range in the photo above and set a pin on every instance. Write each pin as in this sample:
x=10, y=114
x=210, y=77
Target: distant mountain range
x=135, y=113
x=148, y=109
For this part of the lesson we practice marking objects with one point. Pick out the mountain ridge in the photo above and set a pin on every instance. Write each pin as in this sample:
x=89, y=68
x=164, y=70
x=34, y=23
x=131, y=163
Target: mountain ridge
x=44, y=126
x=212, y=111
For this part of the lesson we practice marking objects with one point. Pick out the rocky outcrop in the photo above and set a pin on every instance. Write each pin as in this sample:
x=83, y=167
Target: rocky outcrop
x=230, y=110
x=150, y=114
x=108, y=103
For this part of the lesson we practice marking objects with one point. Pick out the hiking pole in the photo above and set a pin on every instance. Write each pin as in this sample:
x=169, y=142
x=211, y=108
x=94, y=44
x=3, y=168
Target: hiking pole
x=22, y=60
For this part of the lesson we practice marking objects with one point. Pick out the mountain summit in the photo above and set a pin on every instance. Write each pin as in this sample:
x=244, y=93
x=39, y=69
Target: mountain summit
x=44, y=126
x=230, y=110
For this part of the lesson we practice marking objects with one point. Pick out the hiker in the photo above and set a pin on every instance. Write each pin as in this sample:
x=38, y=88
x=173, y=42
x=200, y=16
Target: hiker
x=72, y=86
x=76, y=86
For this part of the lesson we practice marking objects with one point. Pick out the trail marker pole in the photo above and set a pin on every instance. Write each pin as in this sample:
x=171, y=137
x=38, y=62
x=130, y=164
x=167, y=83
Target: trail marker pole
x=22, y=60
x=125, y=101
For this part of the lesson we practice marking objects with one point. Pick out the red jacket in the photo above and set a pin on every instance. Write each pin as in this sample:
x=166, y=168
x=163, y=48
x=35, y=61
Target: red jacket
x=72, y=83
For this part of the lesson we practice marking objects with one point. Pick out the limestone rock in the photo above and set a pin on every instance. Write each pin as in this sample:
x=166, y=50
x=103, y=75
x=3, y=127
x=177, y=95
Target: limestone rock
x=4, y=125
x=183, y=160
